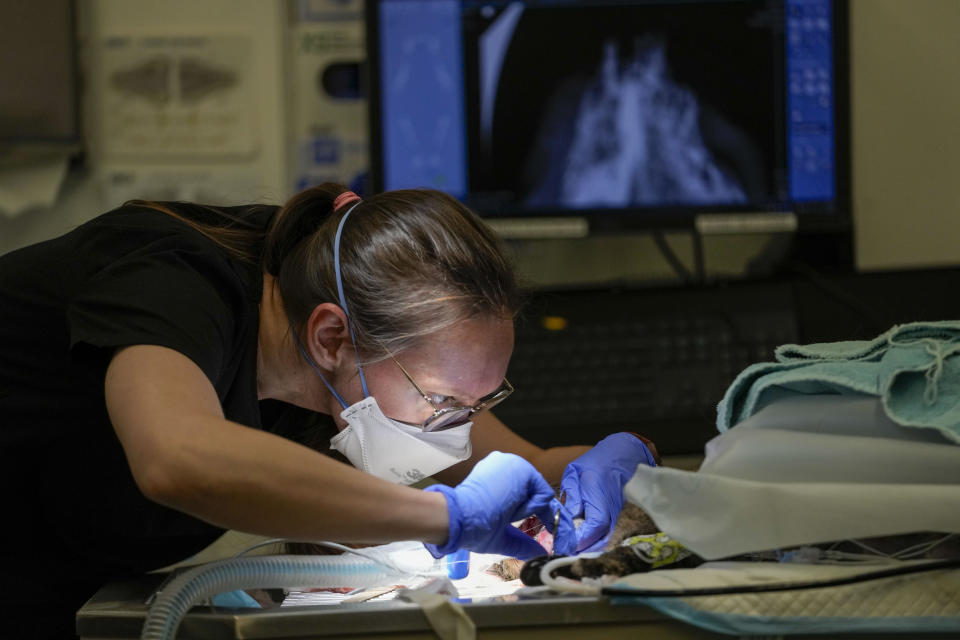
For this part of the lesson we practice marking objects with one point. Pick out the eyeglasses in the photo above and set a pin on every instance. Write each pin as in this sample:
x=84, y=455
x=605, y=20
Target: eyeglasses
x=449, y=417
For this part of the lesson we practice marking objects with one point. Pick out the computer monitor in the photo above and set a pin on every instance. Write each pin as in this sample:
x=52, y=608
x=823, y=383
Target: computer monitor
x=621, y=113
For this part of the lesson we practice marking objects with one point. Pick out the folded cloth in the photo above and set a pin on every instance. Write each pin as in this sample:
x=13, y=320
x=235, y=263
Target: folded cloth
x=913, y=368
x=716, y=516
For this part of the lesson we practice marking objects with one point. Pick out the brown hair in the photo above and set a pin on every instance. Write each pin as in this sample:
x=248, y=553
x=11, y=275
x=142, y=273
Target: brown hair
x=412, y=262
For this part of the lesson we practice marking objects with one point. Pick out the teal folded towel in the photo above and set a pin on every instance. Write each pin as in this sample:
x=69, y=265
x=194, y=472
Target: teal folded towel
x=914, y=368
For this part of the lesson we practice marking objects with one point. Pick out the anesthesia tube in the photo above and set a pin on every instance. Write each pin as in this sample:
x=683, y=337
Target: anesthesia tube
x=207, y=580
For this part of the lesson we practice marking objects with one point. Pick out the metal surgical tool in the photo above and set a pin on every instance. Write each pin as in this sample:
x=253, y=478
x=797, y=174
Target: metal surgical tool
x=556, y=519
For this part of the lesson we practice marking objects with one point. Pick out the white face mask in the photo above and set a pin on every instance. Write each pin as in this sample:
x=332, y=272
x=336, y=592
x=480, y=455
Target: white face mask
x=396, y=451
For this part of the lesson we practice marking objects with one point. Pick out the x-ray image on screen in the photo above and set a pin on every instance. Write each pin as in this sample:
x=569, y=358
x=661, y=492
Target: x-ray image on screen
x=617, y=105
x=634, y=139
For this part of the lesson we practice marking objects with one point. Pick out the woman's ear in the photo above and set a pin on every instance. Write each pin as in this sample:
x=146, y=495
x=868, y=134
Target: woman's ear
x=328, y=335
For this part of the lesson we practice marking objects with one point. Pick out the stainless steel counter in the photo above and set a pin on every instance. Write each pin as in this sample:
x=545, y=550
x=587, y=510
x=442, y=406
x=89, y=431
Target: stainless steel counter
x=118, y=611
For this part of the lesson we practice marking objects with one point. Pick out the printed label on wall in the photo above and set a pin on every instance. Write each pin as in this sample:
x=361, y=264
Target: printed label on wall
x=328, y=109
x=176, y=96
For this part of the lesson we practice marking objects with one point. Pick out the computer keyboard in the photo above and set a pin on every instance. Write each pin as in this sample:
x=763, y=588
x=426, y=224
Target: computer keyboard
x=653, y=361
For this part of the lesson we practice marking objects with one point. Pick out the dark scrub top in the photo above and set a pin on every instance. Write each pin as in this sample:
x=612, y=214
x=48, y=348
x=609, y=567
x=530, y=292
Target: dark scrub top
x=74, y=516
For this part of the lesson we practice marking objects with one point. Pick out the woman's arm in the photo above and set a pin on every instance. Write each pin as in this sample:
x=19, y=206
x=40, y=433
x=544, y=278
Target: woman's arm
x=184, y=454
x=489, y=434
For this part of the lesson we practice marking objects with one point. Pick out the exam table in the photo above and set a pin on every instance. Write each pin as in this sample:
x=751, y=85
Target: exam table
x=117, y=611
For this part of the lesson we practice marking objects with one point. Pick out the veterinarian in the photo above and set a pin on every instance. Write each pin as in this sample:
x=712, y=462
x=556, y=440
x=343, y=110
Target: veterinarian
x=171, y=370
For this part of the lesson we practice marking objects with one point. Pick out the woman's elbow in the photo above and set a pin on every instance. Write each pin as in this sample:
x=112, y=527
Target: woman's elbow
x=160, y=479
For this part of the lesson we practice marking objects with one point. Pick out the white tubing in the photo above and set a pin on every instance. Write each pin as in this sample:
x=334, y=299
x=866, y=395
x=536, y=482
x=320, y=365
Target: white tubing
x=204, y=581
x=564, y=584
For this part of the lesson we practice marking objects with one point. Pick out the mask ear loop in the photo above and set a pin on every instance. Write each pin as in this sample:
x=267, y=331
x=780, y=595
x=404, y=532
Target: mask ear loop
x=306, y=356
x=343, y=300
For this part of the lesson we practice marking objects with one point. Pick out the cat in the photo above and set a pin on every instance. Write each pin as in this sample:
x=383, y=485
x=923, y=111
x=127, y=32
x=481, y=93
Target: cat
x=636, y=545
x=632, y=521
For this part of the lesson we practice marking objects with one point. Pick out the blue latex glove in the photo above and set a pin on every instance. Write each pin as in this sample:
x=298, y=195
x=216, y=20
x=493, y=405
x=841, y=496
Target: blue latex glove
x=502, y=488
x=594, y=485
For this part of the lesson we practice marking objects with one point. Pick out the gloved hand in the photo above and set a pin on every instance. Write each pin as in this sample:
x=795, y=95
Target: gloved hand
x=594, y=485
x=502, y=488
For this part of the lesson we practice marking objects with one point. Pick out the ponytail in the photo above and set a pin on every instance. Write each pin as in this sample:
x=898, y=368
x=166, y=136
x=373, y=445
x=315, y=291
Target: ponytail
x=298, y=220
x=233, y=234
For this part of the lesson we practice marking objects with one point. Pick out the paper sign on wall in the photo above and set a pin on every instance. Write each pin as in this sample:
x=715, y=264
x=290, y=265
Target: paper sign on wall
x=176, y=96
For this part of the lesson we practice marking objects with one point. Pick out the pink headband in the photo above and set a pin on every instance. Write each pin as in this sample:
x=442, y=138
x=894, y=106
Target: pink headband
x=344, y=198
